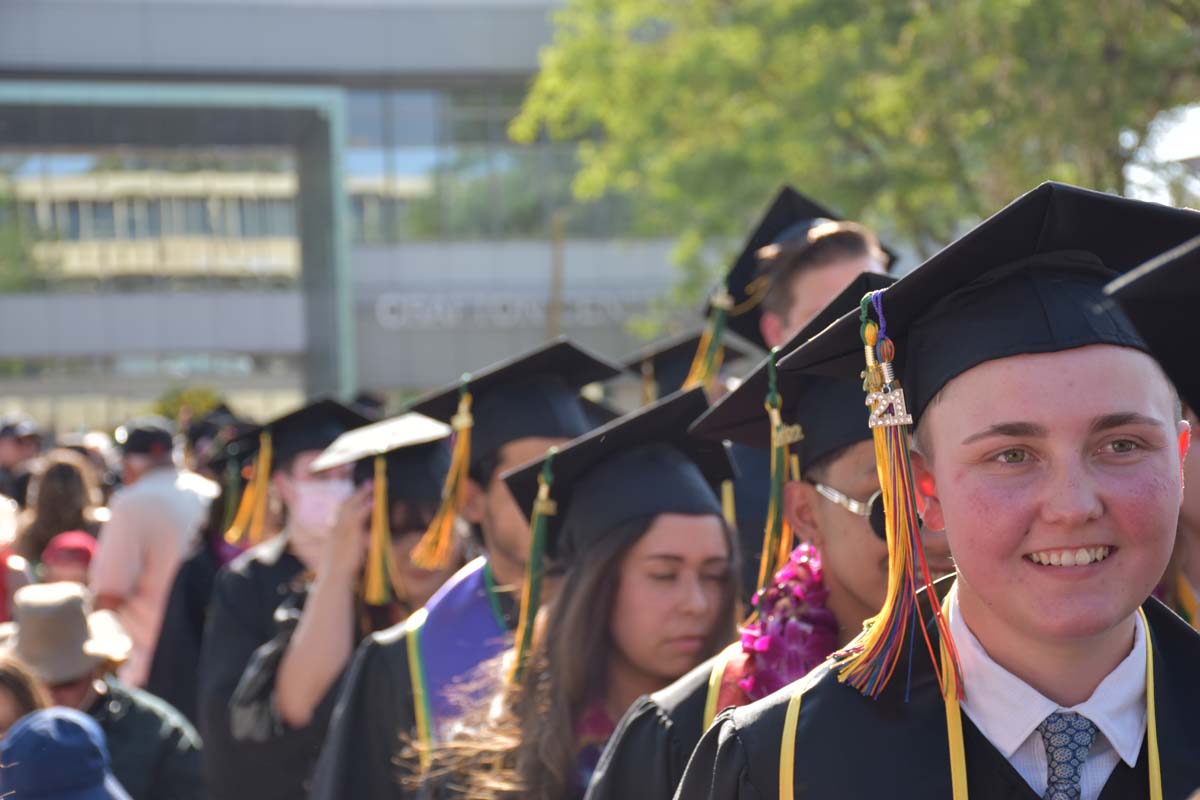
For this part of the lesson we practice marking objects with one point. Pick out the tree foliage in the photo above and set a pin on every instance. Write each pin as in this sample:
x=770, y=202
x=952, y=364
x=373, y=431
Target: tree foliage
x=919, y=116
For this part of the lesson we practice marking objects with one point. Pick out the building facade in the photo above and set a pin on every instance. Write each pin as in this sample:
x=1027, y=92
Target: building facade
x=281, y=197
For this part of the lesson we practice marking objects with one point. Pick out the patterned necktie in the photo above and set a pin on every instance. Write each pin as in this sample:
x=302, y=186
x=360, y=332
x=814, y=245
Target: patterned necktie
x=1068, y=737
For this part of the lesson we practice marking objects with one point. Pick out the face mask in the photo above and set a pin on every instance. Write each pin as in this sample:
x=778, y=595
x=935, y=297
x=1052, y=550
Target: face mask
x=312, y=513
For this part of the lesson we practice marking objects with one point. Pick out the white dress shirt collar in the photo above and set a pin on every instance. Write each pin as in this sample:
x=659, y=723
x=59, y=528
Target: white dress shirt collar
x=1008, y=711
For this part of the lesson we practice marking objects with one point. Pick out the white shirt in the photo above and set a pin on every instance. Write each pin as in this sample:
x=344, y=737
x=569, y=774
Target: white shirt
x=1007, y=711
x=139, y=550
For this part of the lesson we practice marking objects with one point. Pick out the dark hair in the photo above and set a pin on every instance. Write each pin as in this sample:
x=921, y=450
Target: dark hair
x=525, y=746
x=825, y=244
x=63, y=496
x=18, y=680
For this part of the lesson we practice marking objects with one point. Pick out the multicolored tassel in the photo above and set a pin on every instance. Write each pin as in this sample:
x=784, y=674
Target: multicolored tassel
x=251, y=518
x=869, y=661
x=232, y=493
x=531, y=595
x=435, y=551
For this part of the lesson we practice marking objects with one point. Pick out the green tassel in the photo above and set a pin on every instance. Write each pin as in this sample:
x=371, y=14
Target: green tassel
x=543, y=508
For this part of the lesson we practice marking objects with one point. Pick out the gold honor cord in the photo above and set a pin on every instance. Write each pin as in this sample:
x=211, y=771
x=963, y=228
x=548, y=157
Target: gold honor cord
x=958, y=755
x=954, y=734
x=714, y=683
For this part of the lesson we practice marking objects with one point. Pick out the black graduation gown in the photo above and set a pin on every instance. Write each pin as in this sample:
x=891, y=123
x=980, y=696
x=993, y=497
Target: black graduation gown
x=648, y=751
x=242, y=620
x=174, y=671
x=375, y=719
x=850, y=746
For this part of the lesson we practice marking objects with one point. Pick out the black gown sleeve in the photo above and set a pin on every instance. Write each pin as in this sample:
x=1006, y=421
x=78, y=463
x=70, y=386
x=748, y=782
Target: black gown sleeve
x=643, y=758
x=372, y=722
x=719, y=768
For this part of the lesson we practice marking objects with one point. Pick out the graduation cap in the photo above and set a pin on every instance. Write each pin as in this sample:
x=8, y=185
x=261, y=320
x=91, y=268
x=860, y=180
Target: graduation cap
x=535, y=394
x=664, y=365
x=640, y=465
x=790, y=221
x=407, y=458
x=802, y=418
x=1027, y=280
x=308, y=428
x=1160, y=298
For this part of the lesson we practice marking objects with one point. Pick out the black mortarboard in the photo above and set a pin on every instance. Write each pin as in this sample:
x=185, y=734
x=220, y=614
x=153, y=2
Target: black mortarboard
x=638, y=465
x=598, y=412
x=829, y=410
x=790, y=216
x=311, y=427
x=407, y=458
x=533, y=394
x=1029, y=279
x=145, y=436
x=210, y=424
x=308, y=428
x=1161, y=298
x=663, y=366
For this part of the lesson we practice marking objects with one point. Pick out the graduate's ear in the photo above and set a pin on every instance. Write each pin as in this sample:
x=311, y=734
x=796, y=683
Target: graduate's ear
x=928, y=504
x=799, y=499
x=473, y=502
x=771, y=326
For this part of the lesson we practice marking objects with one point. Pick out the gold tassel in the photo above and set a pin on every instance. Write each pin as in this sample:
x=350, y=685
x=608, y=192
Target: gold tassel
x=649, y=382
x=729, y=504
x=251, y=519
x=436, y=548
x=710, y=352
x=381, y=566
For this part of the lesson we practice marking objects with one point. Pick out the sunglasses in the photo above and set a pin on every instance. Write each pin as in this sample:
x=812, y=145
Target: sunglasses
x=872, y=509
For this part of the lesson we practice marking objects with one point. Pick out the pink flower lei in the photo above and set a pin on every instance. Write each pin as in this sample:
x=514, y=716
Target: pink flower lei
x=794, y=631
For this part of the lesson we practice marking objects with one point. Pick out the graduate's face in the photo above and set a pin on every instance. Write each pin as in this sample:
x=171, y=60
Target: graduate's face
x=854, y=558
x=811, y=289
x=418, y=583
x=1063, y=457
x=670, y=592
x=505, y=528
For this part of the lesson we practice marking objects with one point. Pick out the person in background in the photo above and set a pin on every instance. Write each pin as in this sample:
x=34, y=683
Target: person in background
x=39, y=749
x=20, y=445
x=175, y=668
x=98, y=448
x=21, y=692
x=63, y=496
x=71, y=649
x=813, y=600
x=648, y=591
x=364, y=580
x=154, y=520
x=68, y=557
x=249, y=751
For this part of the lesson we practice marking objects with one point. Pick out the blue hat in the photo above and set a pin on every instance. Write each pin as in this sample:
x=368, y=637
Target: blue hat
x=57, y=754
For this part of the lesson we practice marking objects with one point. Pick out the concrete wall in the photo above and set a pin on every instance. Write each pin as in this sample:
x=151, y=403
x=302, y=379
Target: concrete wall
x=265, y=38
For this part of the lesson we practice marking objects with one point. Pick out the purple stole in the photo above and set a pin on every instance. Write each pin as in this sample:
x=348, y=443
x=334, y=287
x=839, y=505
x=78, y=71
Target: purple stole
x=459, y=630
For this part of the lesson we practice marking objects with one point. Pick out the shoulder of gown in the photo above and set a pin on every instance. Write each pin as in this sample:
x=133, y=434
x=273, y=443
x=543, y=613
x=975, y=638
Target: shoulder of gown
x=373, y=721
x=648, y=750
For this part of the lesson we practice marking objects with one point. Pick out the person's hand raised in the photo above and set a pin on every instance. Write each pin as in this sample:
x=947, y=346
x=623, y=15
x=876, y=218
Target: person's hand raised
x=347, y=544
